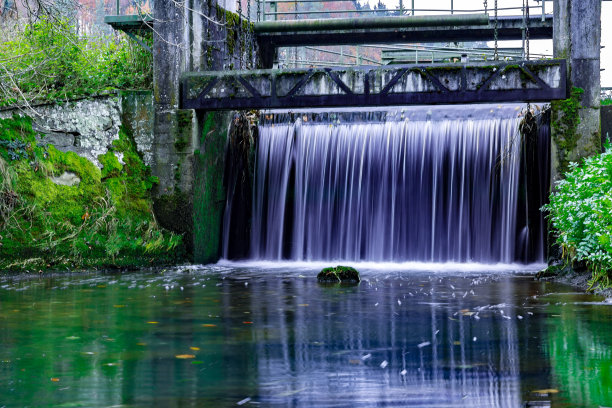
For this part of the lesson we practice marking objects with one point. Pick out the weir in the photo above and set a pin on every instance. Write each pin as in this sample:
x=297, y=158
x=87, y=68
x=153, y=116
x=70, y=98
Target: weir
x=211, y=59
x=422, y=184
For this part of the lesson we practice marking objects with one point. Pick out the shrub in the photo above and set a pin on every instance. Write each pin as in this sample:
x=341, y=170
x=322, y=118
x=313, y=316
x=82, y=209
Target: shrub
x=581, y=212
x=49, y=61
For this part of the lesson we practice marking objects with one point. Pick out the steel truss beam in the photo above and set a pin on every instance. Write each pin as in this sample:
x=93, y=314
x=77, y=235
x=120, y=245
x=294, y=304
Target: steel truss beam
x=526, y=81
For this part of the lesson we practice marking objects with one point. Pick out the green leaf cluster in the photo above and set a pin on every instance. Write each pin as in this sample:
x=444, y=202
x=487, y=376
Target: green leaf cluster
x=103, y=221
x=50, y=61
x=581, y=212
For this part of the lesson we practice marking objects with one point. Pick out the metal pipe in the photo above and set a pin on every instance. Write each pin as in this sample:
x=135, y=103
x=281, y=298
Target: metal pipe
x=474, y=11
x=370, y=23
x=118, y=1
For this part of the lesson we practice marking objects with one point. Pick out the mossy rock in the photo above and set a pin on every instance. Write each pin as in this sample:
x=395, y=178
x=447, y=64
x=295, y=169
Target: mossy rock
x=339, y=274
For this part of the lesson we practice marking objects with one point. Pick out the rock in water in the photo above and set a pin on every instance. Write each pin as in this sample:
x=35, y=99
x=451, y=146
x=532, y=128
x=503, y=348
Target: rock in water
x=343, y=274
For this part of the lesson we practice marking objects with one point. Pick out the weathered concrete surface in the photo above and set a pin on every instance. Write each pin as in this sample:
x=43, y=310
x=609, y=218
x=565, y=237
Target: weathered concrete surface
x=209, y=187
x=191, y=36
x=577, y=37
x=606, y=123
x=137, y=116
x=376, y=86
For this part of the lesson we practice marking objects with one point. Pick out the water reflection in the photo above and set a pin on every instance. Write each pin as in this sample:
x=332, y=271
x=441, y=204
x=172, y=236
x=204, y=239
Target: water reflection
x=218, y=337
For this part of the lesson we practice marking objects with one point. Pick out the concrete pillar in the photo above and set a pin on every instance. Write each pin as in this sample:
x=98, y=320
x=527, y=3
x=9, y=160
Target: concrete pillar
x=173, y=129
x=576, y=121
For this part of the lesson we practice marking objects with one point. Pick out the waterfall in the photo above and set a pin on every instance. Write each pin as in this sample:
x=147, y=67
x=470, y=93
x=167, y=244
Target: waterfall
x=426, y=184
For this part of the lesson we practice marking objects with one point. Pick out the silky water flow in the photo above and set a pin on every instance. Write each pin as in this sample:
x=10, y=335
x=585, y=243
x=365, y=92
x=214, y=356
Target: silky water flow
x=420, y=184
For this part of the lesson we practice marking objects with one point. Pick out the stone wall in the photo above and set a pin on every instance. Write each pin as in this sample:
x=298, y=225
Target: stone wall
x=88, y=126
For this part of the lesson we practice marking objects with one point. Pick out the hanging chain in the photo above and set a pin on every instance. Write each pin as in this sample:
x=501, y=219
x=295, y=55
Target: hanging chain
x=241, y=36
x=258, y=9
x=527, y=27
x=485, y=6
x=249, y=35
x=495, y=53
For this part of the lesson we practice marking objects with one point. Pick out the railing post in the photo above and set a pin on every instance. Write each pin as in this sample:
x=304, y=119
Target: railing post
x=263, y=10
x=413, y=7
x=118, y=1
x=543, y=10
x=401, y=4
x=452, y=8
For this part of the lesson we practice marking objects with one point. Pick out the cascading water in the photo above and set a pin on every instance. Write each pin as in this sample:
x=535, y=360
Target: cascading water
x=426, y=184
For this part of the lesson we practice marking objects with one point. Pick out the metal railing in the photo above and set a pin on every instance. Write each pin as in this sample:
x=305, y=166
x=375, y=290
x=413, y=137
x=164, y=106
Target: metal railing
x=269, y=9
x=128, y=7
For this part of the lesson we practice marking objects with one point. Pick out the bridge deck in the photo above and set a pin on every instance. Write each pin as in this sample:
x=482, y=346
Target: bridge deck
x=508, y=28
x=525, y=81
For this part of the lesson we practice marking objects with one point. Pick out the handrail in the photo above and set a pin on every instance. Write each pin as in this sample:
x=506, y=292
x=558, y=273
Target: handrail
x=370, y=23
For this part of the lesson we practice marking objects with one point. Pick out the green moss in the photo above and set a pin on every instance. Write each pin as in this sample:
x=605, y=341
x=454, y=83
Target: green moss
x=339, y=274
x=103, y=221
x=564, y=122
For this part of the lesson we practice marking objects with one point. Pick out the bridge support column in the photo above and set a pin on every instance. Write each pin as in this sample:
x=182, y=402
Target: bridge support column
x=576, y=121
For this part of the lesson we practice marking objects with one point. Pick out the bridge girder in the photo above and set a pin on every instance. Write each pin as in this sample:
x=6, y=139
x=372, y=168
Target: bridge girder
x=525, y=81
x=508, y=28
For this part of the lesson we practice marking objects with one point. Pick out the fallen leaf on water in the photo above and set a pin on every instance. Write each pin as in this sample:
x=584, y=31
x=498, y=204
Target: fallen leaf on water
x=153, y=322
x=545, y=391
x=141, y=344
x=352, y=361
x=209, y=325
x=72, y=338
x=197, y=362
x=194, y=348
x=303, y=304
x=457, y=343
x=247, y=322
x=55, y=379
x=185, y=356
x=118, y=306
x=101, y=286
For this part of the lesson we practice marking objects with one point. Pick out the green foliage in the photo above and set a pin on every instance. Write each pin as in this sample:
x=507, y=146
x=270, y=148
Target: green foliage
x=607, y=101
x=581, y=212
x=49, y=60
x=104, y=220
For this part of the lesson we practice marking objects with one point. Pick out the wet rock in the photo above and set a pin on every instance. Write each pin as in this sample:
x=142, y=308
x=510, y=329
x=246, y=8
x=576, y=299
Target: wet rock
x=339, y=274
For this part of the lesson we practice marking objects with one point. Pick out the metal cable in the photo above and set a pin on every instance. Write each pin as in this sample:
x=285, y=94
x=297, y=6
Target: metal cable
x=495, y=53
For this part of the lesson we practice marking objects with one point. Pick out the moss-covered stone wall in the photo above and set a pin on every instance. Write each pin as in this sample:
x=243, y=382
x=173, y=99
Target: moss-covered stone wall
x=59, y=210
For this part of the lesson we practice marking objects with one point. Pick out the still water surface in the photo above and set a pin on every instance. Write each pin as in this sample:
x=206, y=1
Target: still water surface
x=232, y=335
